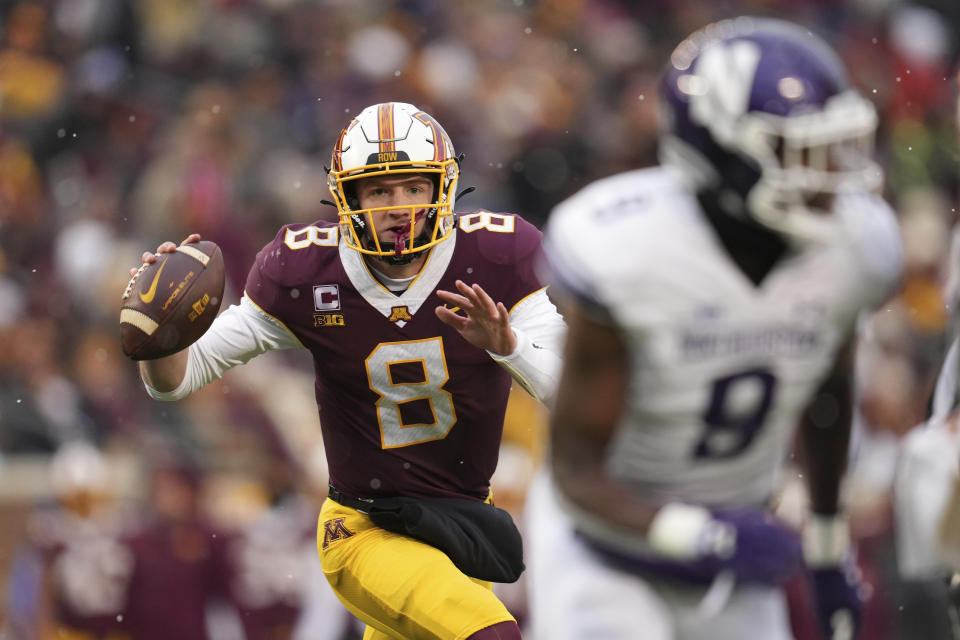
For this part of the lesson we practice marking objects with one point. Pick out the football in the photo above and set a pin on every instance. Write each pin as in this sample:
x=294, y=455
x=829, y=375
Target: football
x=169, y=304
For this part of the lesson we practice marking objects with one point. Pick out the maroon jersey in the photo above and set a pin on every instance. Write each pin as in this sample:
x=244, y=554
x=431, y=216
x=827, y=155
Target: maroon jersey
x=179, y=570
x=407, y=406
x=270, y=564
x=90, y=567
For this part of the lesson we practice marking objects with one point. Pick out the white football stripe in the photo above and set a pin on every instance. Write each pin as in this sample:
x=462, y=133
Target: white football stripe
x=139, y=319
x=196, y=254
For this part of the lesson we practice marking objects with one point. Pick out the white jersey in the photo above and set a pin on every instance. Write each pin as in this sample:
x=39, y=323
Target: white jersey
x=926, y=489
x=947, y=389
x=926, y=475
x=721, y=368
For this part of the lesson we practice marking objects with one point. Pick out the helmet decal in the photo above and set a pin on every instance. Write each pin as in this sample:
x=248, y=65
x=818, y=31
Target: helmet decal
x=737, y=62
x=439, y=138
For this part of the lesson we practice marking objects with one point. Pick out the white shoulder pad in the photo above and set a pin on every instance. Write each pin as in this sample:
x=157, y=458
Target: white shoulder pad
x=876, y=242
x=604, y=228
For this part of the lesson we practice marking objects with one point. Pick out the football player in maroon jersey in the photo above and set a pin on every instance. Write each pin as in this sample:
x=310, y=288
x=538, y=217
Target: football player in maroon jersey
x=81, y=540
x=418, y=319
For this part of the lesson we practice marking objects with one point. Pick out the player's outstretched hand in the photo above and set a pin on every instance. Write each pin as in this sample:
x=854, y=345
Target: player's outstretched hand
x=166, y=247
x=486, y=324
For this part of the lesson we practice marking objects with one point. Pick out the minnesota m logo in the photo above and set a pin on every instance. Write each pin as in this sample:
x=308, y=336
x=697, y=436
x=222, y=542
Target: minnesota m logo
x=334, y=530
x=400, y=313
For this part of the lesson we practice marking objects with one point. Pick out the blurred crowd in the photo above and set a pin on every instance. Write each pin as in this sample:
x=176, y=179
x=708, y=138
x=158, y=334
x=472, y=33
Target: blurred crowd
x=124, y=123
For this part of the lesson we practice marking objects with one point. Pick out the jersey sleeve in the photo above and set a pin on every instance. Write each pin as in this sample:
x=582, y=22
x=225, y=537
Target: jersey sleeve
x=288, y=264
x=535, y=363
x=945, y=392
x=514, y=255
x=567, y=265
x=510, y=250
x=266, y=277
x=237, y=335
x=877, y=248
x=569, y=283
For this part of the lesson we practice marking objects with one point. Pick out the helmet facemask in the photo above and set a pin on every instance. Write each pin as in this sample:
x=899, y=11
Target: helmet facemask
x=357, y=224
x=806, y=161
x=394, y=139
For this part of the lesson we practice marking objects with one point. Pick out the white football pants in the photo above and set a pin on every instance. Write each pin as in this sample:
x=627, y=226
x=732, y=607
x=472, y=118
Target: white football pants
x=574, y=596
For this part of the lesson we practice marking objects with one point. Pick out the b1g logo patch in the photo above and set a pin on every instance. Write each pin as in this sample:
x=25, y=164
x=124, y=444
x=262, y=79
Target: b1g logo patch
x=328, y=320
x=334, y=530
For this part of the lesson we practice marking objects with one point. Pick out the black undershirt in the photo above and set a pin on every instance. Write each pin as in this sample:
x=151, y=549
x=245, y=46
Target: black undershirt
x=753, y=248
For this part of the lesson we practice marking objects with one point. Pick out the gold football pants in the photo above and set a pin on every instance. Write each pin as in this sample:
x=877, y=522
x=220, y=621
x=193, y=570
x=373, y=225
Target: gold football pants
x=400, y=587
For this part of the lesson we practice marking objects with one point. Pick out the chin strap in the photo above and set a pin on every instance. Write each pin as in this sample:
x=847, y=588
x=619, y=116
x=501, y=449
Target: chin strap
x=398, y=260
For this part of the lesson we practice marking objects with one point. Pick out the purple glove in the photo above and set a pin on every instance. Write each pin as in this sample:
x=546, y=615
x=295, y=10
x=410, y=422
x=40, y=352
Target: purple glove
x=760, y=549
x=839, y=596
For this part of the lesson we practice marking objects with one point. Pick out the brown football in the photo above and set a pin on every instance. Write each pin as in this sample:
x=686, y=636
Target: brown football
x=167, y=305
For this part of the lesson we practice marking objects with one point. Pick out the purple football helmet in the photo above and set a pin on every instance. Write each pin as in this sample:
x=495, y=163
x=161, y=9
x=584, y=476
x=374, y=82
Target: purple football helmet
x=761, y=111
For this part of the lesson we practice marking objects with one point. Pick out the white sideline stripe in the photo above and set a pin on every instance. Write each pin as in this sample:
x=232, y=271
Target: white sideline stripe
x=139, y=319
x=196, y=254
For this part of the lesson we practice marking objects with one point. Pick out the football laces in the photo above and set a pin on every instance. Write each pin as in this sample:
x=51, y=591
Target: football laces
x=133, y=280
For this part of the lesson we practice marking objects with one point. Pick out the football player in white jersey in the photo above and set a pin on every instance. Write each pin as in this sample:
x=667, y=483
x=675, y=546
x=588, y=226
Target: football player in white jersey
x=927, y=485
x=711, y=305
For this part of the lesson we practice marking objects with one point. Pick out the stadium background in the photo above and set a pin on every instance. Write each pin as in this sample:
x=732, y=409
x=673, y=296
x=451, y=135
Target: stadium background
x=126, y=123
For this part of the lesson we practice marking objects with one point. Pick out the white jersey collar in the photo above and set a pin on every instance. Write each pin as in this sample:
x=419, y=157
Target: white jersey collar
x=384, y=300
